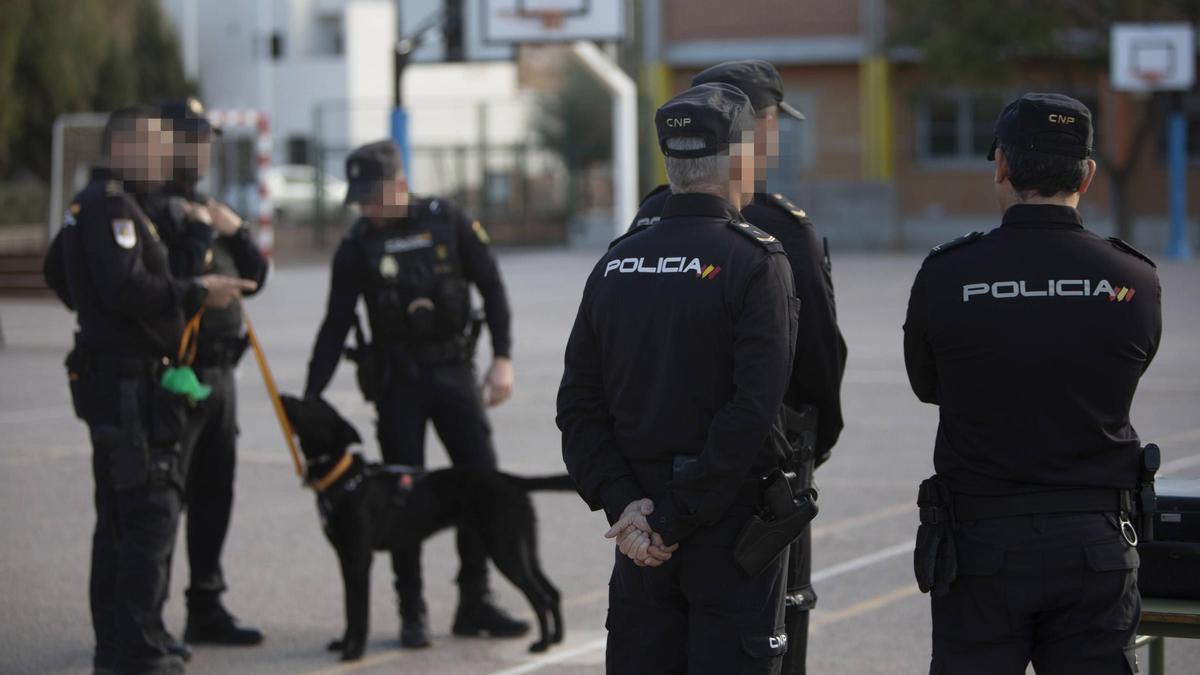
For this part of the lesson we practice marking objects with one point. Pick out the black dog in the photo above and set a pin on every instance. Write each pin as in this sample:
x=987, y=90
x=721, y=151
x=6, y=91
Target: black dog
x=365, y=507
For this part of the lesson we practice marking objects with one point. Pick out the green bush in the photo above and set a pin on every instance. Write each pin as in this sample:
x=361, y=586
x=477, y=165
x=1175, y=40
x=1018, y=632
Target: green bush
x=23, y=203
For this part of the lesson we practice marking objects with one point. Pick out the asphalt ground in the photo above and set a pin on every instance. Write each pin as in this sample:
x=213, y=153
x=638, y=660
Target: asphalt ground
x=283, y=575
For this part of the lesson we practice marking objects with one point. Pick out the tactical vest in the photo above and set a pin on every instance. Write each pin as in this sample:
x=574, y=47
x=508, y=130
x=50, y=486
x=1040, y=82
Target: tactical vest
x=415, y=291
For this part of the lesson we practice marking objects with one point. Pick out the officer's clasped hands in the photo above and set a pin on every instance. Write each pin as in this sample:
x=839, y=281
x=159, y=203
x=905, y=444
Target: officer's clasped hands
x=636, y=539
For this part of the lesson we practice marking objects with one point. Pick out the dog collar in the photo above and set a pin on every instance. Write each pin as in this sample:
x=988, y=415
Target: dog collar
x=330, y=478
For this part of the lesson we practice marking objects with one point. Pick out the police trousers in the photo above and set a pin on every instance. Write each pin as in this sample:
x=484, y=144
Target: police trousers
x=698, y=613
x=134, y=427
x=1058, y=590
x=210, y=449
x=447, y=395
x=801, y=597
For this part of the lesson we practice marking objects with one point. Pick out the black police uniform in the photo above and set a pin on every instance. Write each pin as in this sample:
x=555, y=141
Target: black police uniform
x=415, y=274
x=210, y=439
x=109, y=263
x=814, y=393
x=675, y=370
x=1031, y=340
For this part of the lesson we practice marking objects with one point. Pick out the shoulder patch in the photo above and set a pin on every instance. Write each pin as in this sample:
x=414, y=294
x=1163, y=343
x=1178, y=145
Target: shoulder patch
x=629, y=233
x=954, y=243
x=782, y=203
x=756, y=235
x=658, y=190
x=1128, y=248
x=124, y=232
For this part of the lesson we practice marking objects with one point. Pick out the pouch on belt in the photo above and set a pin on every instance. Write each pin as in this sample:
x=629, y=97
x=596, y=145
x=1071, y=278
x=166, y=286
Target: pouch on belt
x=935, y=559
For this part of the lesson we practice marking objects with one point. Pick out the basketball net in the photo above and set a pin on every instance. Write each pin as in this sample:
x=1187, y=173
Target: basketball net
x=1151, y=78
x=552, y=19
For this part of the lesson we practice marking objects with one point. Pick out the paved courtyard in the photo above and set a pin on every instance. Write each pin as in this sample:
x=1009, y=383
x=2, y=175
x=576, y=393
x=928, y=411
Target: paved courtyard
x=283, y=575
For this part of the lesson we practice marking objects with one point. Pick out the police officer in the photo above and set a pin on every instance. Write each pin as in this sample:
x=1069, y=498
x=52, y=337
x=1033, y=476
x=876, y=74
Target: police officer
x=675, y=371
x=1031, y=339
x=813, y=406
x=109, y=264
x=204, y=236
x=413, y=261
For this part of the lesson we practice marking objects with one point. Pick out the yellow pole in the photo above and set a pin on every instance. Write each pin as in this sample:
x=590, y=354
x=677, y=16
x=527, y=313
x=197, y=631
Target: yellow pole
x=273, y=393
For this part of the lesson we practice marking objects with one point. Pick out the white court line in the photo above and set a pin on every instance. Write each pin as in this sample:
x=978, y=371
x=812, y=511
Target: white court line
x=863, y=561
x=821, y=575
x=551, y=659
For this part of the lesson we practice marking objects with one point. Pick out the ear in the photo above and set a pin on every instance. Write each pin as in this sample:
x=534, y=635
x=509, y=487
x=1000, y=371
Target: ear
x=1001, y=167
x=347, y=434
x=290, y=406
x=1087, y=180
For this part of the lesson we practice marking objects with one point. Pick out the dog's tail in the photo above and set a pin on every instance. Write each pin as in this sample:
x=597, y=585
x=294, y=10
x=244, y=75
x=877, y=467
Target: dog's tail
x=560, y=483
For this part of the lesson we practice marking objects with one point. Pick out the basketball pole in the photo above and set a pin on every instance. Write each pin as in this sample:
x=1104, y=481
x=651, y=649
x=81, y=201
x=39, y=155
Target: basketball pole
x=1177, y=243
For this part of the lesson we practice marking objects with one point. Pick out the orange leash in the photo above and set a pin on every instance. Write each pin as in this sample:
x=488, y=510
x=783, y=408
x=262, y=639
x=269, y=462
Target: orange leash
x=190, y=340
x=273, y=393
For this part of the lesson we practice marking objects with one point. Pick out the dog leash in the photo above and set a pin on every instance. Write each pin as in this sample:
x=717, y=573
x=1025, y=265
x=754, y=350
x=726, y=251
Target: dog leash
x=273, y=393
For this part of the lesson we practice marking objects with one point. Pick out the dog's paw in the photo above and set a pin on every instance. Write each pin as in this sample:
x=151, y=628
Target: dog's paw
x=539, y=647
x=334, y=646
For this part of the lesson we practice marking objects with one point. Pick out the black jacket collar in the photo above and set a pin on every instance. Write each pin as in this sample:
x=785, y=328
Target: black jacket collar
x=1042, y=216
x=695, y=204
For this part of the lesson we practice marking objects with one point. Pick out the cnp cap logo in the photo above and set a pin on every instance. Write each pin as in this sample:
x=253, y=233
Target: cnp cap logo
x=679, y=122
x=1061, y=119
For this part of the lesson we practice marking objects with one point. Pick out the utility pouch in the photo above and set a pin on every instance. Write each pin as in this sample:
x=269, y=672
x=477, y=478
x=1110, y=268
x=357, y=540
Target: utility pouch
x=81, y=379
x=768, y=535
x=168, y=417
x=935, y=559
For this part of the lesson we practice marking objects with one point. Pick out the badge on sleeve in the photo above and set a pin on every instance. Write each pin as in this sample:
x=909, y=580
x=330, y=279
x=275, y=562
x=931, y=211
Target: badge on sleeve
x=480, y=232
x=124, y=232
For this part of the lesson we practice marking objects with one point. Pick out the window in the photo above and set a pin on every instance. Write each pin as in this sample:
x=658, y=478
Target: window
x=297, y=150
x=959, y=127
x=956, y=127
x=328, y=38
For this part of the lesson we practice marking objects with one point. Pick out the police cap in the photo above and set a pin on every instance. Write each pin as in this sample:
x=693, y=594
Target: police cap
x=368, y=165
x=187, y=114
x=716, y=113
x=758, y=79
x=1048, y=123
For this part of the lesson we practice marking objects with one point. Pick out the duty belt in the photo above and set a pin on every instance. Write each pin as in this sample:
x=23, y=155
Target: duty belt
x=128, y=365
x=1082, y=500
x=454, y=350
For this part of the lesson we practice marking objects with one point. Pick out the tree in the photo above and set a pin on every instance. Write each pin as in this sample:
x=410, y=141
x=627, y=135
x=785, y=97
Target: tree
x=60, y=56
x=576, y=124
x=987, y=43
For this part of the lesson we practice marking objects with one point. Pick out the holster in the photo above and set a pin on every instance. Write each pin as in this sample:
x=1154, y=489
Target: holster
x=1146, y=501
x=935, y=560
x=767, y=535
x=370, y=366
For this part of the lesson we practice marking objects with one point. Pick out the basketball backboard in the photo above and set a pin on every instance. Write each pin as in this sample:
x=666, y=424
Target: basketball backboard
x=492, y=28
x=1153, y=56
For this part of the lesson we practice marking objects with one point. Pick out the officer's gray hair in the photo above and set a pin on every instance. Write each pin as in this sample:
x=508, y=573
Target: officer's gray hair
x=695, y=174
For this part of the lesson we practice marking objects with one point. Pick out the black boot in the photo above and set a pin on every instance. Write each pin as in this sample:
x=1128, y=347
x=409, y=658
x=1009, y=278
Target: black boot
x=414, y=623
x=478, y=614
x=217, y=626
